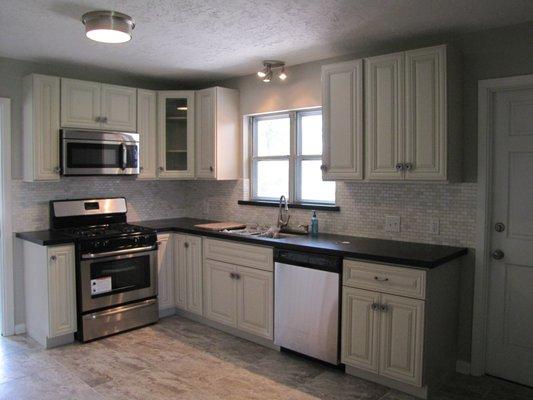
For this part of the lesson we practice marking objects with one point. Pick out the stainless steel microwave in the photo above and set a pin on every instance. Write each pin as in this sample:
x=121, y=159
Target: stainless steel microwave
x=85, y=152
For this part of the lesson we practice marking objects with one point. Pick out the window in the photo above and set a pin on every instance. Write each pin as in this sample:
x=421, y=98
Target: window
x=286, y=158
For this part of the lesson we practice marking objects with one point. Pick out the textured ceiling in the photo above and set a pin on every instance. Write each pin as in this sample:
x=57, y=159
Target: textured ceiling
x=214, y=39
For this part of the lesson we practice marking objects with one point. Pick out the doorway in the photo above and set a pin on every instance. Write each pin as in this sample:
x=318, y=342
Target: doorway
x=505, y=267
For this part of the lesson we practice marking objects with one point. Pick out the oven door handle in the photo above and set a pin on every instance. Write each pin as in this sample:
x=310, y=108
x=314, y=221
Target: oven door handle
x=117, y=252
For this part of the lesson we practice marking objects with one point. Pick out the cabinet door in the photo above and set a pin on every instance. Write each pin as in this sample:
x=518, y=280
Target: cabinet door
x=255, y=302
x=194, y=274
x=62, y=290
x=41, y=128
x=360, y=328
x=384, y=122
x=206, y=133
x=220, y=292
x=176, y=134
x=425, y=132
x=401, y=339
x=342, y=120
x=147, y=129
x=119, y=108
x=180, y=270
x=165, y=283
x=80, y=104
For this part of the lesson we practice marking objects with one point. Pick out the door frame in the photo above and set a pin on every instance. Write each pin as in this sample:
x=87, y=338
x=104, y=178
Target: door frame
x=486, y=91
x=6, y=238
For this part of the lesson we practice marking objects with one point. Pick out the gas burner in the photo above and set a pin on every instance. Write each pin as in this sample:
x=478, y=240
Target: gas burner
x=105, y=230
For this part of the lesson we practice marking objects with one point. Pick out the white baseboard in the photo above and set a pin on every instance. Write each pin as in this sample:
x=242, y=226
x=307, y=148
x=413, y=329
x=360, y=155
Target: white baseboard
x=462, y=367
x=20, y=328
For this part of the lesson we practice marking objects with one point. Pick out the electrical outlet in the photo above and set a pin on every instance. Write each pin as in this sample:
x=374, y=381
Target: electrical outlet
x=392, y=223
x=434, y=226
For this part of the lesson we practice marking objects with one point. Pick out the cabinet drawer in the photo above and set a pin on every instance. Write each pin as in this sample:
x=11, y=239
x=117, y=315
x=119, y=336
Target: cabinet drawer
x=384, y=278
x=240, y=254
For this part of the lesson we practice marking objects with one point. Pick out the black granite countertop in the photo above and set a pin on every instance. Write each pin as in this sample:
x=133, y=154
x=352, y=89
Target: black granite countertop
x=390, y=251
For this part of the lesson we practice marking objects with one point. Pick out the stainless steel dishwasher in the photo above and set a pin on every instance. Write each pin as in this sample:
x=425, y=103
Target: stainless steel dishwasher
x=306, y=311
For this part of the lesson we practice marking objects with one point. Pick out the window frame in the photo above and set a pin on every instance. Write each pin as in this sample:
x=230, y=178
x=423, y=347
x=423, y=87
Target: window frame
x=295, y=156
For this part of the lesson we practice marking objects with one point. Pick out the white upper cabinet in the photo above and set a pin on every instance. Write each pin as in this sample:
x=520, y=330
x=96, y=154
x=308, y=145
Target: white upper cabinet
x=217, y=133
x=342, y=120
x=384, y=87
x=176, y=134
x=41, y=128
x=93, y=105
x=147, y=129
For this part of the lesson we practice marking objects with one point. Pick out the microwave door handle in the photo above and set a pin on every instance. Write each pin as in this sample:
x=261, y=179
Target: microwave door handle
x=124, y=150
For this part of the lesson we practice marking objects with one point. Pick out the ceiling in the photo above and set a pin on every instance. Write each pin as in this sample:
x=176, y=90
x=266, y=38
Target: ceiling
x=215, y=39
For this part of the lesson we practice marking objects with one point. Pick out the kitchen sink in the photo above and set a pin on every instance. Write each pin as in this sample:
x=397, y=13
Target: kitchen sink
x=263, y=232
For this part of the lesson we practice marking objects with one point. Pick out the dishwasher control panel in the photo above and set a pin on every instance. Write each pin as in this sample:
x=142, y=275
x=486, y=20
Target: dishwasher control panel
x=321, y=262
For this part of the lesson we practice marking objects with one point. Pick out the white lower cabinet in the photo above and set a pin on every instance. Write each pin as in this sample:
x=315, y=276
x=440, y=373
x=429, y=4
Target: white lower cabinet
x=187, y=255
x=165, y=272
x=220, y=292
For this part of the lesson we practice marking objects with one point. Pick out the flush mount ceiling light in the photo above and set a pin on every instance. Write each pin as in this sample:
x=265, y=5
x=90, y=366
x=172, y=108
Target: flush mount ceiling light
x=266, y=73
x=108, y=26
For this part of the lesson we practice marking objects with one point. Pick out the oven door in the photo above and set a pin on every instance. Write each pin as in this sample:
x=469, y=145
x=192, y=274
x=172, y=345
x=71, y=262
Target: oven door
x=113, y=278
x=99, y=157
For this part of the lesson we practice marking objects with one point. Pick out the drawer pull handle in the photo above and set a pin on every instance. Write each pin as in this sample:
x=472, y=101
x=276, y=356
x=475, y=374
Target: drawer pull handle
x=377, y=278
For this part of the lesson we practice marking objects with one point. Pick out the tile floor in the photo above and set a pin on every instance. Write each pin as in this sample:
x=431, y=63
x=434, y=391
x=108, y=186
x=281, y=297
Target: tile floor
x=180, y=359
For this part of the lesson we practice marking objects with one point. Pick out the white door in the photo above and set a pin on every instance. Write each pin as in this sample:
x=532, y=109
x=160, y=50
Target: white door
x=401, y=338
x=384, y=116
x=165, y=283
x=425, y=113
x=180, y=270
x=255, y=301
x=510, y=326
x=119, y=108
x=80, y=104
x=194, y=274
x=342, y=120
x=360, y=328
x=205, y=133
x=220, y=292
x=147, y=129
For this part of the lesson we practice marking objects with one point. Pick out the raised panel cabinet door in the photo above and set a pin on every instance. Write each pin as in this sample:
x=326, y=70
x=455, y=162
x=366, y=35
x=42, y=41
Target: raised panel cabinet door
x=401, y=339
x=220, y=292
x=206, y=101
x=180, y=271
x=194, y=275
x=360, y=329
x=119, y=108
x=384, y=116
x=41, y=128
x=255, y=302
x=62, y=290
x=342, y=120
x=175, y=132
x=426, y=114
x=165, y=272
x=147, y=129
x=80, y=104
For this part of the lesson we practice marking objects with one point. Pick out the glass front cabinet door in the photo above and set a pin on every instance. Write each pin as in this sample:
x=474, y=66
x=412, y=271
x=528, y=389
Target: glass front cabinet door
x=176, y=134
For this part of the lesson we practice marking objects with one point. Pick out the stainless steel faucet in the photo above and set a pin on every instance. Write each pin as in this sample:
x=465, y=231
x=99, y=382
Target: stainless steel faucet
x=282, y=222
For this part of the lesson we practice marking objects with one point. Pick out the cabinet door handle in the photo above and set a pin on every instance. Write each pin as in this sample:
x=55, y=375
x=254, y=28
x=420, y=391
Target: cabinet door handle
x=374, y=306
x=211, y=169
x=161, y=169
x=53, y=258
x=400, y=167
x=232, y=275
x=104, y=120
x=186, y=245
x=141, y=168
x=383, y=307
x=408, y=166
x=237, y=276
x=57, y=170
x=98, y=119
x=377, y=278
x=324, y=167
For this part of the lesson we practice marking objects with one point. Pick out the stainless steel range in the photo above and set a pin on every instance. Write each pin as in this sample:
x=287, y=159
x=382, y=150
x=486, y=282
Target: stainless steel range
x=116, y=266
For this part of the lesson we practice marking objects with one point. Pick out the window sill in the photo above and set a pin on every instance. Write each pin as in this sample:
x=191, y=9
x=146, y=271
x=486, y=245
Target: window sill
x=304, y=206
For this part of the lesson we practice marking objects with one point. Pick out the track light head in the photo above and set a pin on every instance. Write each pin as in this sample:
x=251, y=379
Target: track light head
x=266, y=73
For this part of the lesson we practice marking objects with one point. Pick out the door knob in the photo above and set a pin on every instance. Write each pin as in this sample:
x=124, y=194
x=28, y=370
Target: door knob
x=498, y=254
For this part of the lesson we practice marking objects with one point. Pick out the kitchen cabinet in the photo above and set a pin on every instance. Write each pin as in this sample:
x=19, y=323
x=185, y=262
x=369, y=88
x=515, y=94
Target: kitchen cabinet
x=236, y=294
x=175, y=129
x=50, y=293
x=41, y=96
x=342, y=120
x=188, y=273
x=217, y=133
x=93, y=105
x=165, y=272
x=147, y=129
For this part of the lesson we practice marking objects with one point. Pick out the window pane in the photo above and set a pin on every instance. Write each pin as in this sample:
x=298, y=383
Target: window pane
x=311, y=129
x=272, y=179
x=273, y=136
x=313, y=187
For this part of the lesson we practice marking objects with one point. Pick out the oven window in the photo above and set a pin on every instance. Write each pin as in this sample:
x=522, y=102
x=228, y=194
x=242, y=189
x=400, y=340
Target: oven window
x=115, y=276
x=93, y=155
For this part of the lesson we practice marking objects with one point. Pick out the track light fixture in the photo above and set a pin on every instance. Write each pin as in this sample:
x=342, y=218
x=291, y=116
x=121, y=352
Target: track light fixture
x=266, y=72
